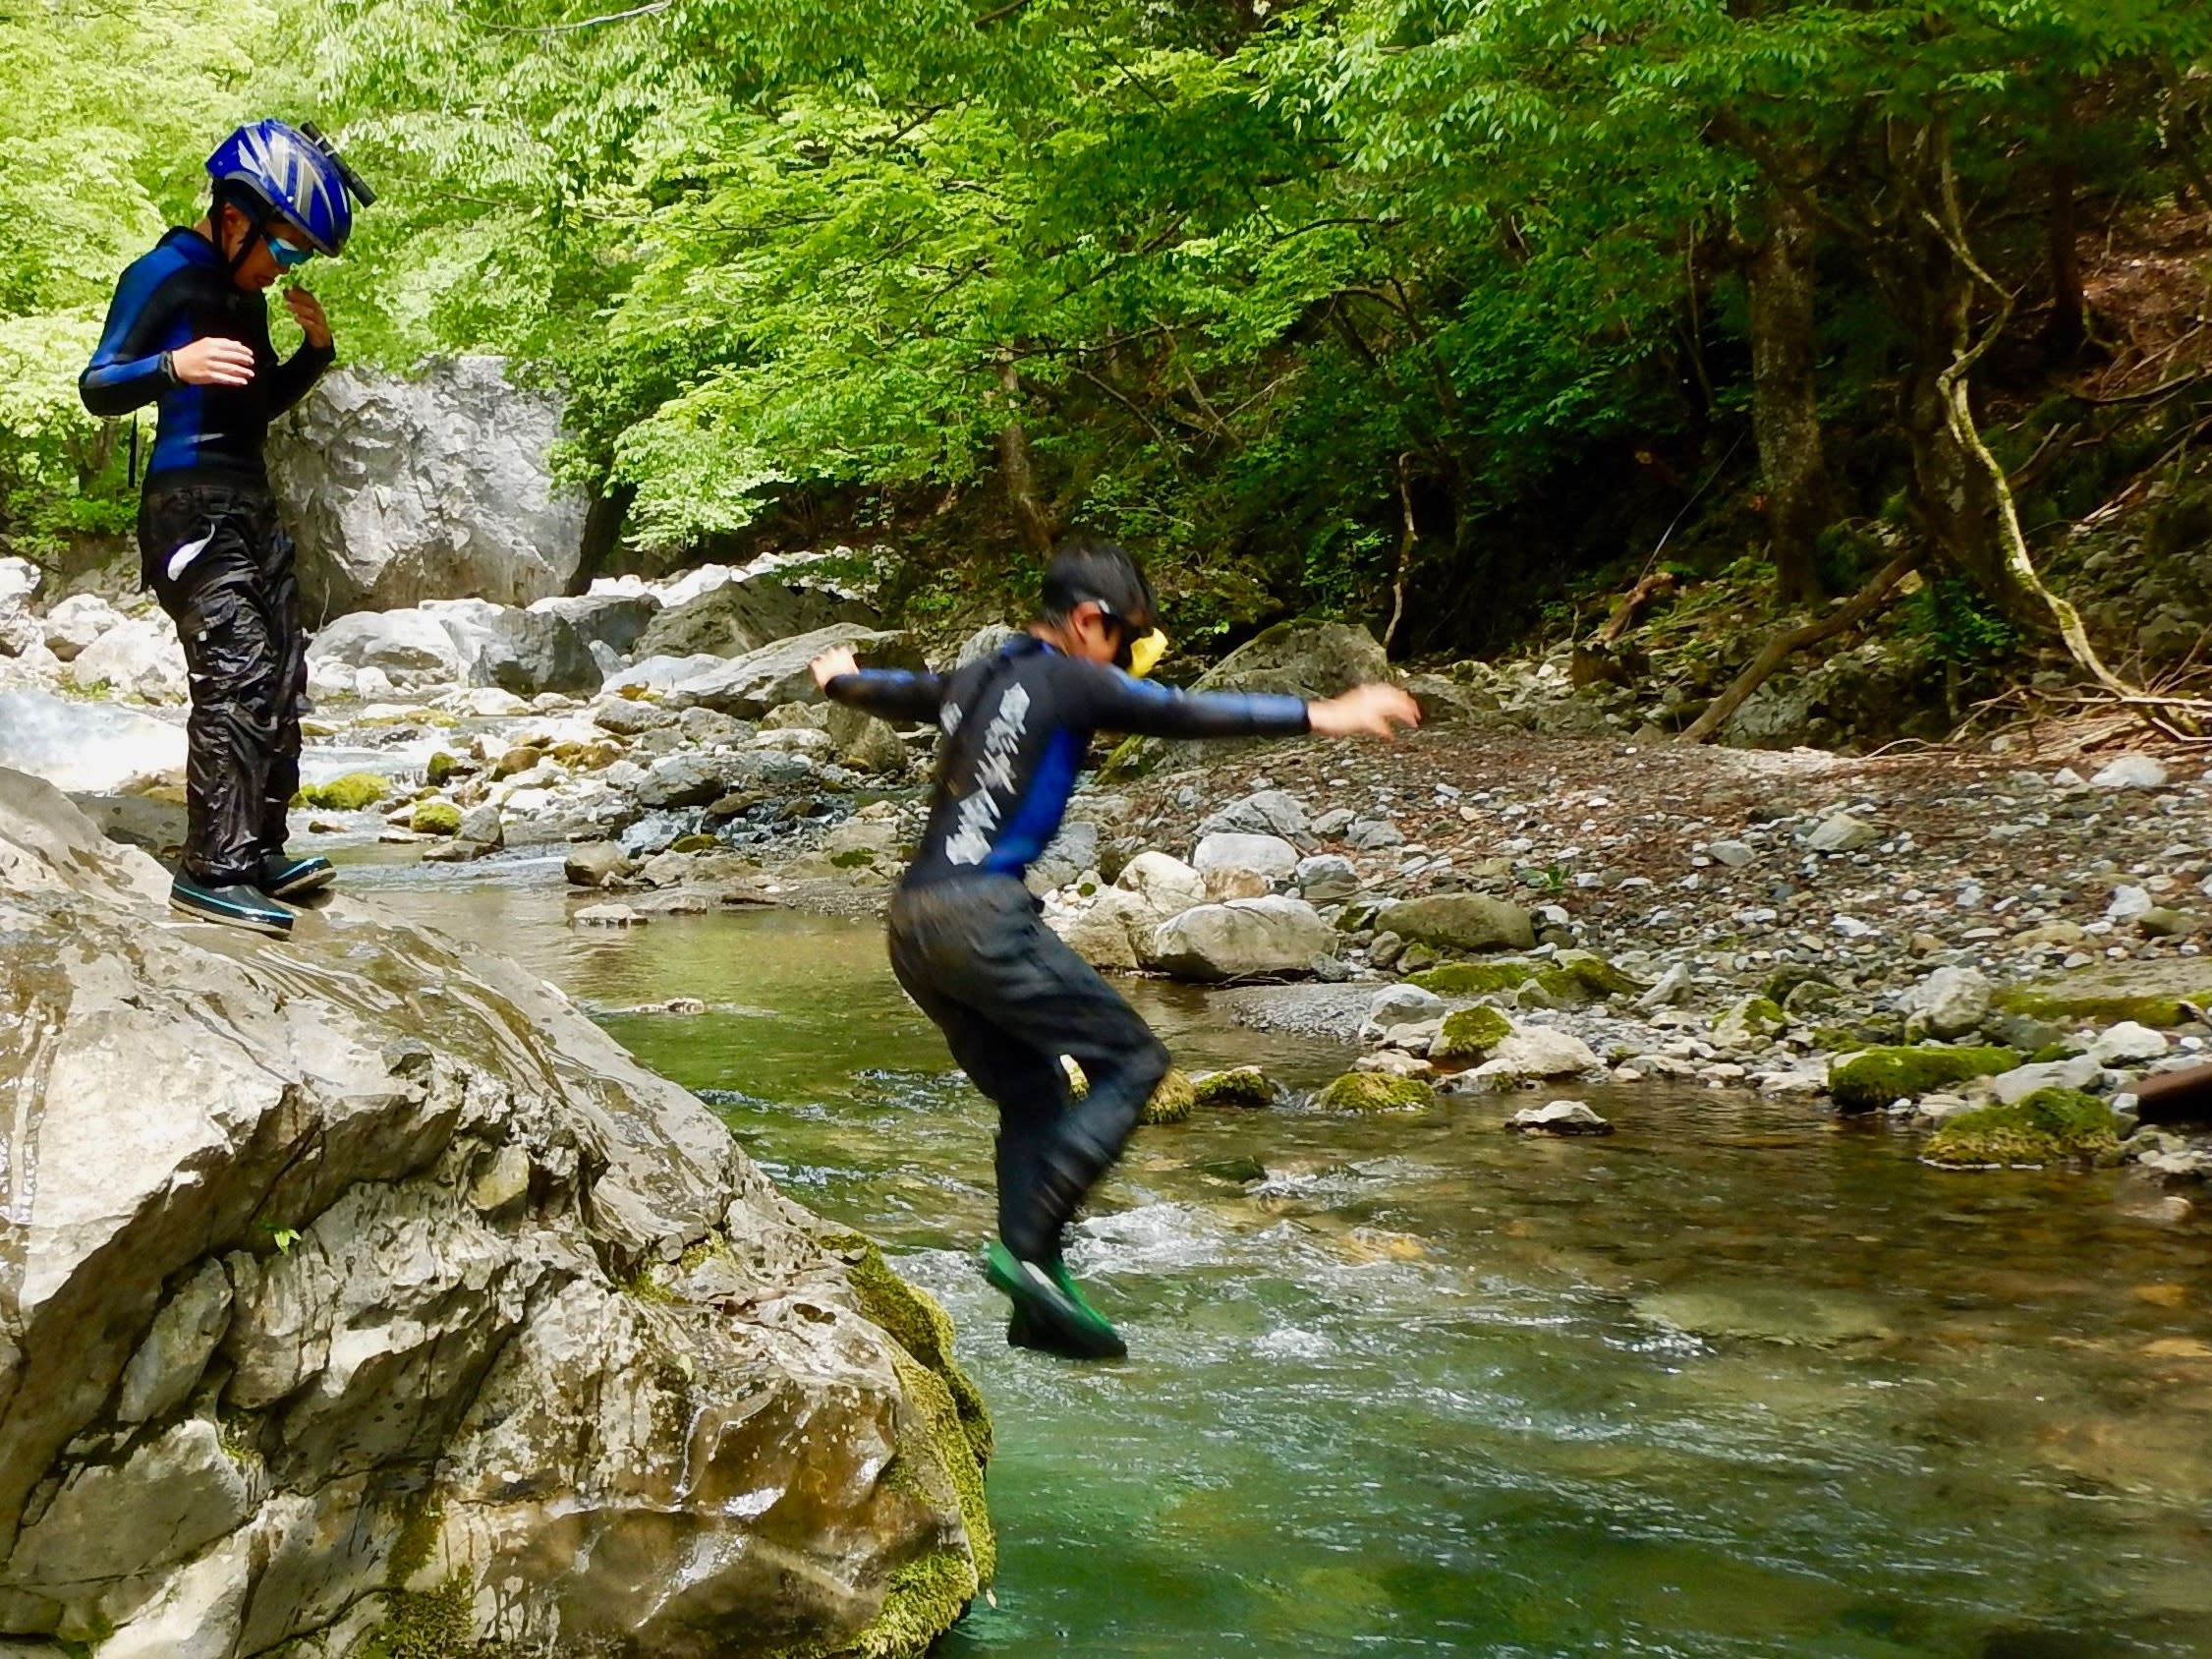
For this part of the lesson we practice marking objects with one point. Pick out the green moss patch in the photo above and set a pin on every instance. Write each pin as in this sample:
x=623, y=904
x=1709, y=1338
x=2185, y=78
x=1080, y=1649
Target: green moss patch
x=2049, y=1126
x=1171, y=1101
x=1374, y=1091
x=355, y=791
x=425, y=1623
x=434, y=817
x=1872, y=1079
x=1469, y=1033
x=1573, y=979
x=2161, y=1012
x=1246, y=1088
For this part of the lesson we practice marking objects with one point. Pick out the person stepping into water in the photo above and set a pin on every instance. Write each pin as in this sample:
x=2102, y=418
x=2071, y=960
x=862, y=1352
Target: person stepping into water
x=967, y=942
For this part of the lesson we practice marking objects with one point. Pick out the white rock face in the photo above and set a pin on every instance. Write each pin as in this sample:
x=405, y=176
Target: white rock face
x=1559, y=1117
x=2131, y=772
x=2081, y=1072
x=77, y=622
x=1267, y=812
x=400, y=491
x=1326, y=878
x=2128, y=1044
x=1109, y=933
x=1164, y=883
x=1244, y=938
x=138, y=657
x=1531, y=1053
x=365, y=1234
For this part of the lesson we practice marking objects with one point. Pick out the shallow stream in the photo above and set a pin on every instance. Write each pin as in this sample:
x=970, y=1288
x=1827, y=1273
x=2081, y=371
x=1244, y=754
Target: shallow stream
x=1735, y=1381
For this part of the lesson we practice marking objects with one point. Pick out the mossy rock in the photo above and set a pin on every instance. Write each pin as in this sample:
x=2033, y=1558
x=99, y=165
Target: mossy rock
x=355, y=791
x=1469, y=1033
x=1245, y=1088
x=853, y=858
x=1171, y=1101
x=1872, y=1079
x=696, y=844
x=2161, y=1012
x=1374, y=1091
x=1573, y=978
x=2049, y=1126
x=443, y=765
x=1751, y=1020
x=434, y=817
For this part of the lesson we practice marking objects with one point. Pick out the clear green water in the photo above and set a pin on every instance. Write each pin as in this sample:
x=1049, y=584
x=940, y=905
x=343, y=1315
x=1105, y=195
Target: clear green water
x=1728, y=1383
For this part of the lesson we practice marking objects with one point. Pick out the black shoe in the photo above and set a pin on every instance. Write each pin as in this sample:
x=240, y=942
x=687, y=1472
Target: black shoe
x=236, y=906
x=1048, y=1314
x=295, y=878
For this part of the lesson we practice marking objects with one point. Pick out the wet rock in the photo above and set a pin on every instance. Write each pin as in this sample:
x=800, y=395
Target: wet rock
x=593, y=864
x=1559, y=1117
x=1241, y=1088
x=609, y=916
x=2053, y=1124
x=1369, y=1091
x=1394, y=1063
x=1465, y=922
x=1243, y=939
x=2131, y=772
x=1401, y=1004
x=1532, y=1053
x=1948, y=1002
x=89, y=748
x=1469, y=1035
x=1170, y=1101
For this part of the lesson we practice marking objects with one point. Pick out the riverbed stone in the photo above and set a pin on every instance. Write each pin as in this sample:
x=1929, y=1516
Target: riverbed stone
x=1246, y=937
x=1263, y=811
x=1401, y=1004
x=2131, y=772
x=1463, y=921
x=1841, y=832
x=2077, y=1072
x=2128, y=1044
x=1531, y=1053
x=1749, y=1023
x=1164, y=883
x=1269, y=857
x=1558, y=1118
x=749, y=686
x=138, y=657
x=1326, y=878
x=1949, y=1002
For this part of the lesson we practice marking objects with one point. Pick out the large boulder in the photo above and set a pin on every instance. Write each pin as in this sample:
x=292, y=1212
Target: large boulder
x=438, y=486
x=408, y=647
x=616, y=620
x=524, y=652
x=1245, y=938
x=73, y=625
x=1307, y=659
x=749, y=686
x=363, y=1295
x=742, y=616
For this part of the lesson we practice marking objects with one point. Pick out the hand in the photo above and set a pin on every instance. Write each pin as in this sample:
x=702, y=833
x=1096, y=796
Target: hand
x=213, y=362
x=1365, y=710
x=307, y=312
x=837, y=659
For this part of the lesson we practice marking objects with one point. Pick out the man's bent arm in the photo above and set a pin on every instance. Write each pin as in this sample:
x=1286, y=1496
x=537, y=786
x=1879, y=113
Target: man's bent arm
x=890, y=692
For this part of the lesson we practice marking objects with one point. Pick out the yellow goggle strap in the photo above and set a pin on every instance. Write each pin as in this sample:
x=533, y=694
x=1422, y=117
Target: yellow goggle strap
x=1146, y=651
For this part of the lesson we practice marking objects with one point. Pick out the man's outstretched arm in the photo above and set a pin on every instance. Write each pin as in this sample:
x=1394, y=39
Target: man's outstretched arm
x=1116, y=702
x=890, y=693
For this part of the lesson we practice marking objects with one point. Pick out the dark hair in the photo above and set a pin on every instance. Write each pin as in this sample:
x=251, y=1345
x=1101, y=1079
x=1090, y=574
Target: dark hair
x=1083, y=568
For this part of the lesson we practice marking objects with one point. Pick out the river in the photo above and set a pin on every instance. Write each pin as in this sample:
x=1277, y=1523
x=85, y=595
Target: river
x=1735, y=1381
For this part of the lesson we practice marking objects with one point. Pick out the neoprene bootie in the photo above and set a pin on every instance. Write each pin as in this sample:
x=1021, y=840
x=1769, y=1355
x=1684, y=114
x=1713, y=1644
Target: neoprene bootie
x=295, y=878
x=236, y=906
x=1049, y=1312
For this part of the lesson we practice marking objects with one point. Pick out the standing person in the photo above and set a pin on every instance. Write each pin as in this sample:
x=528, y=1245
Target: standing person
x=188, y=332
x=966, y=941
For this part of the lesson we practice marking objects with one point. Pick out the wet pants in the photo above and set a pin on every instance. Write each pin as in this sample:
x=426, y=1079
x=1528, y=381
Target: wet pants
x=1011, y=998
x=221, y=565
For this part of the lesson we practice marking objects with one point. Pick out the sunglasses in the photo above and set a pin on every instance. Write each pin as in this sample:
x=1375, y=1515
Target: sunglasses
x=287, y=256
x=1137, y=651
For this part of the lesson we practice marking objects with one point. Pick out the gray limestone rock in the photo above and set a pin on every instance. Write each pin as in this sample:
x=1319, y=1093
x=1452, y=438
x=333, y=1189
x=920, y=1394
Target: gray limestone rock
x=1244, y=939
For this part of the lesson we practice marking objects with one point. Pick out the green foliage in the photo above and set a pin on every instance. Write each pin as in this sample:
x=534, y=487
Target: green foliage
x=1963, y=627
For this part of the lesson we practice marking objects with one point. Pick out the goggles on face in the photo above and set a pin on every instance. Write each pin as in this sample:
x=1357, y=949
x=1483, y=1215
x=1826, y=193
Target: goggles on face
x=1136, y=653
x=287, y=256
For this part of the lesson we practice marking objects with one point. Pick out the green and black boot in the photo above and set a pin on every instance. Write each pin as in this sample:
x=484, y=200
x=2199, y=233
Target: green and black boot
x=295, y=878
x=236, y=906
x=1050, y=1313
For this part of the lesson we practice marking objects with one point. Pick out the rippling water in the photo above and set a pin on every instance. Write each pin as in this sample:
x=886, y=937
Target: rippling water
x=1731, y=1381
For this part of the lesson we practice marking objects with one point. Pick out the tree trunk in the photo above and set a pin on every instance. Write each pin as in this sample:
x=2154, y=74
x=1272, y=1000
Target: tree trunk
x=1785, y=394
x=1032, y=522
x=603, y=533
x=2069, y=328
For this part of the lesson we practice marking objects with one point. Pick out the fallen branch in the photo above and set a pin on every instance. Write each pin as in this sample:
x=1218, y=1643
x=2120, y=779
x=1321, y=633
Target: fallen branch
x=1786, y=645
x=1657, y=585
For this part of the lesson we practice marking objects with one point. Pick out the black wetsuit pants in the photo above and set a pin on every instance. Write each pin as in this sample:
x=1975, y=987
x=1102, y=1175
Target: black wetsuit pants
x=1011, y=998
x=221, y=565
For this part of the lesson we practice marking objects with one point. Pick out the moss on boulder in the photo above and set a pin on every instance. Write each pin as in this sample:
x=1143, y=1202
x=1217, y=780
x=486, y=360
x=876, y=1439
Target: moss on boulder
x=1570, y=980
x=434, y=817
x=355, y=791
x=1246, y=1088
x=2160, y=1011
x=2049, y=1126
x=1374, y=1091
x=1469, y=1033
x=1870, y=1079
x=1171, y=1101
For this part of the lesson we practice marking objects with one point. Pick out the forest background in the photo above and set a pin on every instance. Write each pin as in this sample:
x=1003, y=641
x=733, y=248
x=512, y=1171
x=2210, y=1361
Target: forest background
x=1432, y=314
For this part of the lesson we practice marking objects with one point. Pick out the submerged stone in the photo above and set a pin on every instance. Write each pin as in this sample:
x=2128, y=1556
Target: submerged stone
x=1371, y=1091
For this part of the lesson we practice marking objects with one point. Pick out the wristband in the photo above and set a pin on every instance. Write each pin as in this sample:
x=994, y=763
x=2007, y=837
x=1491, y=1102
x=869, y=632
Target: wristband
x=169, y=369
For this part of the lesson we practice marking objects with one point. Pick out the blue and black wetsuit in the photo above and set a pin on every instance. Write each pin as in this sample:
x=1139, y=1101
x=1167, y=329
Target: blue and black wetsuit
x=966, y=941
x=209, y=543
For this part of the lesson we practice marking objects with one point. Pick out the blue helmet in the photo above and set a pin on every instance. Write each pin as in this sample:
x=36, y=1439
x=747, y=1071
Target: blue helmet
x=292, y=171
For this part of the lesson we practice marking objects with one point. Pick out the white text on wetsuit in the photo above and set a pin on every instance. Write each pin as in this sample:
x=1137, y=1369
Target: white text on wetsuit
x=970, y=841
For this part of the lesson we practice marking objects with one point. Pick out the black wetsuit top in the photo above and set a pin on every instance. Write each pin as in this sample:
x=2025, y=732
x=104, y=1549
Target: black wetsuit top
x=1017, y=724
x=182, y=292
